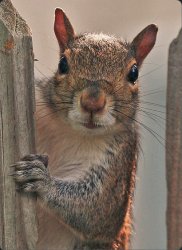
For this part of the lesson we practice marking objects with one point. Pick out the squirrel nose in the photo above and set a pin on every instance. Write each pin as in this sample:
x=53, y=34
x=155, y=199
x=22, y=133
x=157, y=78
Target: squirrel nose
x=93, y=100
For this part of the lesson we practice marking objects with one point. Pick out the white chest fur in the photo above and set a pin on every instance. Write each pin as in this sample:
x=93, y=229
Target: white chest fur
x=71, y=153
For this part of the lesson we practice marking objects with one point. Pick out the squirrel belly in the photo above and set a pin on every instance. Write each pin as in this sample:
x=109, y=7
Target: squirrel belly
x=74, y=156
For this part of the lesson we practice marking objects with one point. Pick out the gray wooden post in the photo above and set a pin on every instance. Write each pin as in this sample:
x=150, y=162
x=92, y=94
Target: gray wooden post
x=17, y=213
x=174, y=145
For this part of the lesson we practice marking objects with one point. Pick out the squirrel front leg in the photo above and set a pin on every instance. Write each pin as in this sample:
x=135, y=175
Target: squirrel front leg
x=90, y=206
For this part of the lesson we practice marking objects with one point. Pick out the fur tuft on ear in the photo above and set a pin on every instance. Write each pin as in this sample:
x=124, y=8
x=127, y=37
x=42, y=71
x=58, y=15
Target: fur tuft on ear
x=63, y=29
x=144, y=42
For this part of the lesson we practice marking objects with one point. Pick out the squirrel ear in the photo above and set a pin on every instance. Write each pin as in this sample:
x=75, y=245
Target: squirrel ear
x=144, y=42
x=63, y=29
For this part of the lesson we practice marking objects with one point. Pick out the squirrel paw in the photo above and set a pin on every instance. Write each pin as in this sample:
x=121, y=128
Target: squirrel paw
x=31, y=173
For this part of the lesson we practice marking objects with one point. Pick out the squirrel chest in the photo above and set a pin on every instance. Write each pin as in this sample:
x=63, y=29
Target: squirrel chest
x=70, y=154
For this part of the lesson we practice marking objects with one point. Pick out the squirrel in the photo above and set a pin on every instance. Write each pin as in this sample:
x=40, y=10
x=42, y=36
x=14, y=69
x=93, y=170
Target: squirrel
x=86, y=124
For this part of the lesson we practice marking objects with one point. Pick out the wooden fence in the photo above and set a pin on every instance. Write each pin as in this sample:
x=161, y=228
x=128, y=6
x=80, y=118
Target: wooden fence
x=174, y=145
x=17, y=213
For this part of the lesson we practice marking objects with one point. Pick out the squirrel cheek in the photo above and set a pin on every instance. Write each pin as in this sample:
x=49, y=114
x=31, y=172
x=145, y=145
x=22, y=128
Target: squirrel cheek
x=133, y=88
x=59, y=77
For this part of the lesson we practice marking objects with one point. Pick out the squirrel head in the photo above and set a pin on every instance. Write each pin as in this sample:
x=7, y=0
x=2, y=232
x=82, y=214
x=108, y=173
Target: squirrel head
x=96, y=84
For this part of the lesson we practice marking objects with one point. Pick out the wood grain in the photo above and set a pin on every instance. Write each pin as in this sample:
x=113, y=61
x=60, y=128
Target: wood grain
x=18, y=229
x=174, y=145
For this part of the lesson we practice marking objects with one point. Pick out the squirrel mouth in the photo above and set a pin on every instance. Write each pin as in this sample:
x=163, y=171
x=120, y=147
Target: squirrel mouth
x=91, y=125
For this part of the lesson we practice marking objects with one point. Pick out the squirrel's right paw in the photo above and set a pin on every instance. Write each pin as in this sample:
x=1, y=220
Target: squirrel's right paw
x=31, y=173
x=32, y=157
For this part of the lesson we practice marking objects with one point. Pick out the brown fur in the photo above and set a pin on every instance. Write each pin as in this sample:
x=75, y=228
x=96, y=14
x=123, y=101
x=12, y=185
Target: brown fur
x=88, y=186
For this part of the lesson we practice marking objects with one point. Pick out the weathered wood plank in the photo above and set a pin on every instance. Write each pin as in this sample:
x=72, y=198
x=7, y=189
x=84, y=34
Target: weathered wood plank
x=17, y=213
x=174, y=145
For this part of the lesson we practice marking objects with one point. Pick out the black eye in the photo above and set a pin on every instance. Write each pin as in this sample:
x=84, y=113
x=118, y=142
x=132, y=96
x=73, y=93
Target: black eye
x=133, y=74
x=63, y=65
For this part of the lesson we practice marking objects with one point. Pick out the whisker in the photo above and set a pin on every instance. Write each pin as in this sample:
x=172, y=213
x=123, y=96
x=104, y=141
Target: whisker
x=149, y=63
x=152, y=114
x=152, y=93
x=158, y=111
x=50, y=113
x=117, y=90
x=153, y=104
x=159, y=123
x=148, y=73
x=51, y=70
x=41, y=73
x=138, y=106
x=59, y=103
x=46, y=115
x=151, y=131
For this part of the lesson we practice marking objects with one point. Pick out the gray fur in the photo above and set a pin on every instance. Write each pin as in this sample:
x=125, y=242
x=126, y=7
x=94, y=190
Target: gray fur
x=96, y=203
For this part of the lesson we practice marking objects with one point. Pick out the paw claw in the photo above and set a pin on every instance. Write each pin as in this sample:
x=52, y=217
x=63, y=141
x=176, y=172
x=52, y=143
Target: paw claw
x=11, y=174
x=30, y=175
x=32, y=157
x=13, y=165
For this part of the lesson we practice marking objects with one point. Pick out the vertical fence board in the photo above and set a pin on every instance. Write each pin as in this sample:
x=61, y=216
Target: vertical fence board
x=17, y=213
x=174, y=145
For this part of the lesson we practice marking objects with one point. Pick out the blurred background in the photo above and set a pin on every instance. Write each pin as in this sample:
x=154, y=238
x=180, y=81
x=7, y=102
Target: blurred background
x=123, y=19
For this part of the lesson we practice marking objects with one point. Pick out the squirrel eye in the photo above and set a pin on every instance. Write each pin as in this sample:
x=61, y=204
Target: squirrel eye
x=63, y=66
x=133, y=74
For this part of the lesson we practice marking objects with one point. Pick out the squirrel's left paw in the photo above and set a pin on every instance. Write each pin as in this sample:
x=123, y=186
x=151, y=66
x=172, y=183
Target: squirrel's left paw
x=31, y=174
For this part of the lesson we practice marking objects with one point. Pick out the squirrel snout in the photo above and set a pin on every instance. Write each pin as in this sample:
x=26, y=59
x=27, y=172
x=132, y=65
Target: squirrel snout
x=93, y=100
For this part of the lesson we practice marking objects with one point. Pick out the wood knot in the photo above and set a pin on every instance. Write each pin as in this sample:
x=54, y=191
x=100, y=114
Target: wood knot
x=9, y=44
